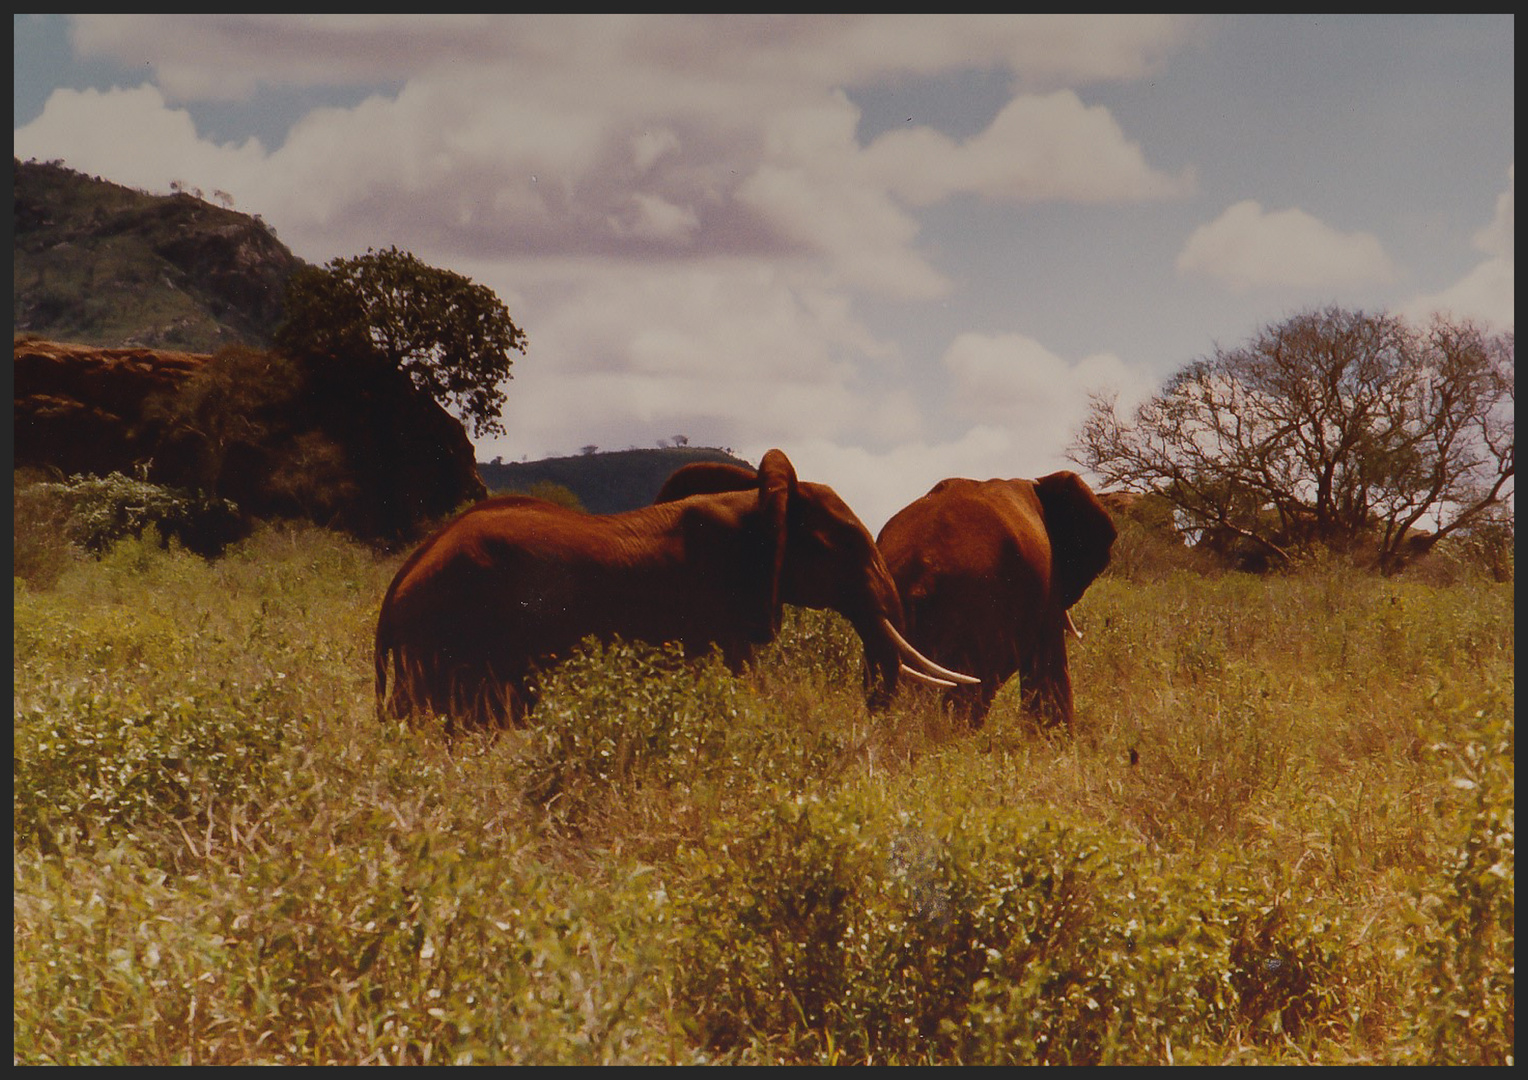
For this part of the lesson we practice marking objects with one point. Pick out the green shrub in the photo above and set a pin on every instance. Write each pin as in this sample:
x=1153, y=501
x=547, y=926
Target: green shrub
x=102, y=510
x=1282, y=832
x=549, y=490
x=389, y=949
x=615, y=717
x=91, y=761
x=848, y=931
x=817, y=649
x=1467, y=961
x=39, y=515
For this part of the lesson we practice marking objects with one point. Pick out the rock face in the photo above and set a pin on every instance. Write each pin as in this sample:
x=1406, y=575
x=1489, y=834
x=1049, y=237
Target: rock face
x=79, y=410
x=349, y=445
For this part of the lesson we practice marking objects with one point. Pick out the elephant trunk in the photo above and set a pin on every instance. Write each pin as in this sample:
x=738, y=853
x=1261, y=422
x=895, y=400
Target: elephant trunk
x=882, y=661
x=889, y=655
x=922, y=666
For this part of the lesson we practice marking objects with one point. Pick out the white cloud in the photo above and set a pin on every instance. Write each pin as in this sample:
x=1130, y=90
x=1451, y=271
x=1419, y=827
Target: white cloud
x=1039, y=148
x=1010, y=381
x=680, y=214
x=132, y=137
x=633, y=136
x=204, y=57
x=727, y=351
x=1071, y=50
x=1488, y=293
x=227, y=57
x=1248, y=247
x=1499, y=238
x=878, y=483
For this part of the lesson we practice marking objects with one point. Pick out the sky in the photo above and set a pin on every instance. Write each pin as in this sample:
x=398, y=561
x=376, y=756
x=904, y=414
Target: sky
x=898, y=247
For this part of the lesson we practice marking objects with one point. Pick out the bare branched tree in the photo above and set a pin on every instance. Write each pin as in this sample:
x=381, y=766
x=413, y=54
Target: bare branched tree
x=1333, y=428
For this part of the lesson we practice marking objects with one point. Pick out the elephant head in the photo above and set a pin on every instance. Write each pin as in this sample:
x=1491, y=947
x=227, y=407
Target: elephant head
x=988, y=571
x=825, y=559
x=515, y=583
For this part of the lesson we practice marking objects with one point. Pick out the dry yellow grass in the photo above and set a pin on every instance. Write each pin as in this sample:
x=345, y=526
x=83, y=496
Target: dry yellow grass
x=1282, y=831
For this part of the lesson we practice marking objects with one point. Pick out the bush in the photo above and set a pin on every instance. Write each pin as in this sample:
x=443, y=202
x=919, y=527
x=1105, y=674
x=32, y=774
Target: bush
x=1467, y=963
x=1283, y=834
x=95, y=762
x=548, y=490
x=41, y=549
x=616, y=717
x=844, y=931
x=102, y=510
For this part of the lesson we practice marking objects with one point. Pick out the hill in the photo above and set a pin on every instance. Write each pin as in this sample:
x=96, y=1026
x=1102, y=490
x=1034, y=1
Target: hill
x=605, y=483
x=102, y=264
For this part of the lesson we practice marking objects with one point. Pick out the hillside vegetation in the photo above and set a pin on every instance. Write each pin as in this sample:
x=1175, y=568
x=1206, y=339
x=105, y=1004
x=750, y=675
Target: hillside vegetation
x=1282, y=832
x=102, y=264
x=97, y=263
x=601, y=483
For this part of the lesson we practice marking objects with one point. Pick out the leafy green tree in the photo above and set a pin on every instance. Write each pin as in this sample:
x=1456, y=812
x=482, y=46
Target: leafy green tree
x=451, y=336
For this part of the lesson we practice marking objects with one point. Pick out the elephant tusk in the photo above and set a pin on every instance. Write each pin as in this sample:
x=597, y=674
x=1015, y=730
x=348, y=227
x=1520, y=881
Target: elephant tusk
x=1071, y=627
x=928, y=680
x=923, y=661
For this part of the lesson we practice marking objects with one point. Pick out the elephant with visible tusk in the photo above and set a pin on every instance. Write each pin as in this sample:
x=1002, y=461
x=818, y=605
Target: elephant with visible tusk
x=988, y=572
x=515, y=583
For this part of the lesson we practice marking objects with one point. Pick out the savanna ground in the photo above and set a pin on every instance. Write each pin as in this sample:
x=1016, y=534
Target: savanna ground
x=1282, y=832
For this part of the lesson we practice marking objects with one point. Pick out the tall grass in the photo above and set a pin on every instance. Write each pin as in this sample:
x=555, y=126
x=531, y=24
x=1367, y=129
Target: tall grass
x=1282, y=831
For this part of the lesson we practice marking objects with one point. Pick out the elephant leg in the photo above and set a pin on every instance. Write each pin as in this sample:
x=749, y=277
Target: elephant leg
x=878, y=694
x=737, y=654
x=1045, y=684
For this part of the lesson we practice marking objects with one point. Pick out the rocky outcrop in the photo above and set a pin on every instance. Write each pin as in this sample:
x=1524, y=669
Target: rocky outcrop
x=80, y=410
x=347, y=444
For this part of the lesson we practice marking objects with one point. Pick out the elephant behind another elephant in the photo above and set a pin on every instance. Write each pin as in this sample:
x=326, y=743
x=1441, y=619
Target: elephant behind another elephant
x=516, y=583
x=987, y=571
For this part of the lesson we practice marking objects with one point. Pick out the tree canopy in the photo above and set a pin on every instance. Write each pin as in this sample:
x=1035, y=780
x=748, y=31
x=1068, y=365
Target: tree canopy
x=1335, y=428
x=452, y=336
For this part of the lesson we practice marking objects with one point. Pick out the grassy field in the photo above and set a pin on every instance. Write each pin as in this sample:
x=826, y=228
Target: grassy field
x=1281, y=833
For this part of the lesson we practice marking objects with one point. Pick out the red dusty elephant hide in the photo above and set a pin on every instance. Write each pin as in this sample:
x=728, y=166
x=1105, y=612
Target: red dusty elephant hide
x=515, y=583
x=987, y=571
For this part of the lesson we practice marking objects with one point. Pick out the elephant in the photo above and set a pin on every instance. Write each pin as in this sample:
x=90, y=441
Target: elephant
x=987, y=572
x=514, y=583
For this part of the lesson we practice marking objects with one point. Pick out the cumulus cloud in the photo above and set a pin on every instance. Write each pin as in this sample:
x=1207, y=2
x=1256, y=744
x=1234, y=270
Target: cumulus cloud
x=877, y=483
x=630, y=136
x=206, y=57
x=1248, y=247
x=681, y=214
x=1488, y=293
x=724, y=351
x=1012, y=381
x=132, y=137
x=227, y=57
x=1498, y=238
x=1039, y=148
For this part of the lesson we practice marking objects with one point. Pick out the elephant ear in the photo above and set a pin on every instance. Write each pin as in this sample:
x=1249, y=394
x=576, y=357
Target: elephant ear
x=706, y=478
x=777, y=489
x=1081, y=534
